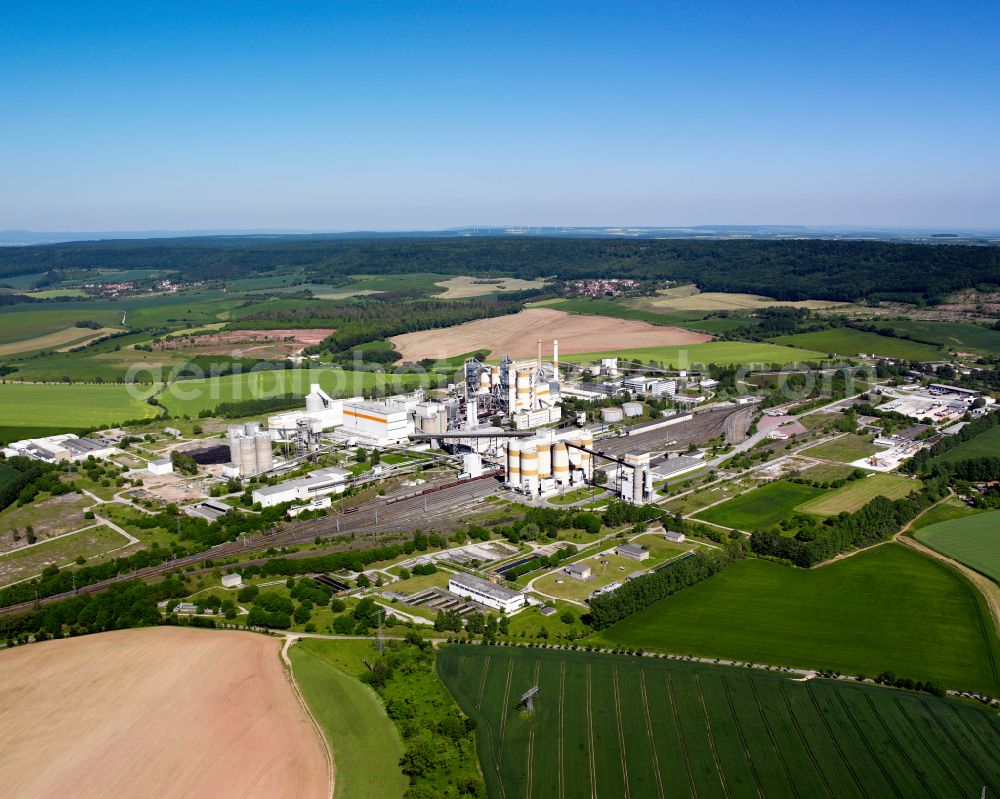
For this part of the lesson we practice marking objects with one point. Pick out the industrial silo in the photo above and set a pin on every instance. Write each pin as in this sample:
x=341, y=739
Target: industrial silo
x=235, y=434
x=513, y=463
x=586, y=459
x=523, y=389
x=560, y=463
x=529, y=469
x=262, y=452
x=544, y=460
x=248, y=456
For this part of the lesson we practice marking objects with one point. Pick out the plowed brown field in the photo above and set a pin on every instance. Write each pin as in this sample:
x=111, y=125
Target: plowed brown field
x=516, y=335
x=158, y=712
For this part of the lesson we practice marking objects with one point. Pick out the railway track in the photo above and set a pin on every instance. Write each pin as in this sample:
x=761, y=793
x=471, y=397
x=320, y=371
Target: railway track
x=702, y=427
x=441, y=506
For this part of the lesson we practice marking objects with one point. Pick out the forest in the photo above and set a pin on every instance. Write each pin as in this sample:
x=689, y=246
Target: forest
x=788, y=270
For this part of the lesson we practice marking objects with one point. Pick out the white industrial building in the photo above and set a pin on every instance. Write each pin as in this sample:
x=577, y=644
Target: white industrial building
x=62, y=447
x=633, y=551
x=250, y=449
x=322, y=412
x=612, y=415
x=380, y=424
x=233, y=580
x=486, y=593
x=317, y=484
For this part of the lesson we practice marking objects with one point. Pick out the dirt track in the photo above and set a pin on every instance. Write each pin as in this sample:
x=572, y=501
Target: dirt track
x=516, y=335
x=161, y=712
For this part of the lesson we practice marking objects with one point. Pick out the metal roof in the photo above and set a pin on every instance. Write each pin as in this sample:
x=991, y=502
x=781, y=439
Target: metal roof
x=491, y=590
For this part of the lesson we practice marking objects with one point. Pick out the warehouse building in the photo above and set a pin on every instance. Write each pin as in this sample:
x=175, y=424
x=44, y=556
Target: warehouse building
x=160, y=466
x=63, y=447
x=578, y=570
x=317, y=484
x=486, y=593
x=633, y=551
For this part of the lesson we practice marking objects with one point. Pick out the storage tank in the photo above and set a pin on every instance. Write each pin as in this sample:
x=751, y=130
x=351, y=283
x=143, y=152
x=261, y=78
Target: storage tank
x=235, y=432
x=586, y=459
x=529, y=469
x=484, y=382
x=637, y=484
x=262, y=451
x=544, y=460
x=575, y=456
x=523, y=389
x=314, y=402
x=248, y=456
x=513, y=463
x=251, y=428
x=494, y=376
x=560, y=463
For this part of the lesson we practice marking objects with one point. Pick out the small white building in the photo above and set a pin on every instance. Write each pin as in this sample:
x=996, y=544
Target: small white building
x=160, y=466
x=578, y=570
x=233, y=580
x=486, y=593
x=633, y=551
x=673, y=535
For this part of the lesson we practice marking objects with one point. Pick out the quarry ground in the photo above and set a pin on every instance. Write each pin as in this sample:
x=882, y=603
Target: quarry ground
x=516, y=335
x=156, y=712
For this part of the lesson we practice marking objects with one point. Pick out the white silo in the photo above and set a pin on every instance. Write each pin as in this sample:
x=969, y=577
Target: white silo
x=544, y=460
x=586, y=460
x=471, y=415
x=484, y=382
x=235, y=433
x=513, y=463
x=637, y=484
x=560, y=463
x=248, y=456
x=494, y=376
x=575, y=456
x=314, y=402
x=523, y=389
x=262, y=451
x=251, y=428
x=529, y=469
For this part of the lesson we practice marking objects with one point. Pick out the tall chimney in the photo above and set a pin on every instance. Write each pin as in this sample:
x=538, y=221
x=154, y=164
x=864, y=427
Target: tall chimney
x=555, y=357
x=538, y=360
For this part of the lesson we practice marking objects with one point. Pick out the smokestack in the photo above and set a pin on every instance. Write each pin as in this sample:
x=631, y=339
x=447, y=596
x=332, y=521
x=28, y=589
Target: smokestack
x=538, y=360
x=555, y=357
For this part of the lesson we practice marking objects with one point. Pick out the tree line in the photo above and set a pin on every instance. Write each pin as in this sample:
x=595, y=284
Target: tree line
x=787, y=270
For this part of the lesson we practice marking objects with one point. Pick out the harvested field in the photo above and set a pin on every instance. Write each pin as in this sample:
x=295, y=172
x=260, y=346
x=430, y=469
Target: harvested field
x=254, y=343
x=61, y=339
x=458, y=288
x=47, y=518
x=688, y=298
x=516, y=334
x=154, y=713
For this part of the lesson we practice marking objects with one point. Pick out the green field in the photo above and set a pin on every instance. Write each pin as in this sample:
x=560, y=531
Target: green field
x=29, y=561
x=955, y=336
x=848, y=341
x=858, y=493
x=720, y=352
x=973, y=540
x=366, y=746
x=612, y=726
x=70, y=406
x=984, y=445
x=845, y=448
x=762, y=507
x=617, y=310
x=193, y=396
x=887, y=608
x=951, y=508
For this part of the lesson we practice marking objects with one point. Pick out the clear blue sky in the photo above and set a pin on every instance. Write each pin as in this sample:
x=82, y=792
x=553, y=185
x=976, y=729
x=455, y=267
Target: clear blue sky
x=371, y=115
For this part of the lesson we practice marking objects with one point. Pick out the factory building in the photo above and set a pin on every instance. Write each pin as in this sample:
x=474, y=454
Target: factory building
x=63, y=447
x=486, y=593
x=250, y=449
x=512, y=387
x=320, y=483
x=320, y=407
x=379, y=423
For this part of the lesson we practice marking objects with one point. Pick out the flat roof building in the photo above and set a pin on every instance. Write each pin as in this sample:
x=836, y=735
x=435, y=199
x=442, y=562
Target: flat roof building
x=317, y=484
x=578, y=570
x=486, y=593
x=160, y=466
x=633, y=551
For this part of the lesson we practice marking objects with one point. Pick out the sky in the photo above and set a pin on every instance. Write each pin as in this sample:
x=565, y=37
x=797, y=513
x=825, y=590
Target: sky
x=427, y=115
